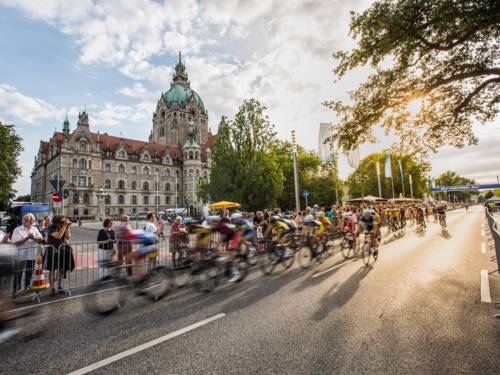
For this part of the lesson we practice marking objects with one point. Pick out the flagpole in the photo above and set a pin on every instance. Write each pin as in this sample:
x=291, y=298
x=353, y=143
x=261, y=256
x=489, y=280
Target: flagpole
x=411, y=186
x=377, y=167
x=392, y=183
x=335, y=169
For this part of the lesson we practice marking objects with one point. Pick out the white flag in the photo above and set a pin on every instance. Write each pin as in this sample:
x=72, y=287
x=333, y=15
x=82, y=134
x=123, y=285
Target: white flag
x=353, y=158
x=324, y=149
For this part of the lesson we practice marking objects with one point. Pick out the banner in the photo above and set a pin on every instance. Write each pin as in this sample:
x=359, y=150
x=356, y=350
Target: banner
x=388, y=169
x=325, y=150
x=411, y=182
x=353, y=158
x=400, y=166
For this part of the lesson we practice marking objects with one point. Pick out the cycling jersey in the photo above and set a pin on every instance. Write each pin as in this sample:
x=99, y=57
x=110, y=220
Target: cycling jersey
x=368, y=222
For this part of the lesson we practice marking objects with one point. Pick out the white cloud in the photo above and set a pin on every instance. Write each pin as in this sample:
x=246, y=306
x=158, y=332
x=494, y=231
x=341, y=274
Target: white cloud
x=113, y=115
x=20, y=107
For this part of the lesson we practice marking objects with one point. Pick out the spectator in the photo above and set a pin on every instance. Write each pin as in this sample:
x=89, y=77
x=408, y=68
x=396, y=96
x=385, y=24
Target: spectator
x=25, y=237
x=59, y=257
x=43, y=227
x=160, y=223
x=152, y=229
x=106, y=240
x=123, y=245
x=176, y=237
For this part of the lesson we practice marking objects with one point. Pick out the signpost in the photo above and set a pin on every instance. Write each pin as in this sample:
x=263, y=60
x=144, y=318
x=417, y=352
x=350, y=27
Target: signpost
x=305, y=194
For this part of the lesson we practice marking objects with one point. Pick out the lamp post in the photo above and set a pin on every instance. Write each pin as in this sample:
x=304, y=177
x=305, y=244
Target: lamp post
x=335, y=166
x=295, y=178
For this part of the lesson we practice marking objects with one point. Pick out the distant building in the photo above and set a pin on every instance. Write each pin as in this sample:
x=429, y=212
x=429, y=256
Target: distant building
x=110, y=175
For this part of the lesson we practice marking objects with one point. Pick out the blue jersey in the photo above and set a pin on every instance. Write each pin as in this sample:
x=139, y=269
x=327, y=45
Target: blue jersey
x=367, y=222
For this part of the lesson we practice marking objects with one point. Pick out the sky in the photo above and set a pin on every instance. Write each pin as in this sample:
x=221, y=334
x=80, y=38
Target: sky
x=115, y=57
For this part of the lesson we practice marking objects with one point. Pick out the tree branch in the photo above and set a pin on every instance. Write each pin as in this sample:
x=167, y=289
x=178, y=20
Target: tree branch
x=469, y=97
x=460, y=76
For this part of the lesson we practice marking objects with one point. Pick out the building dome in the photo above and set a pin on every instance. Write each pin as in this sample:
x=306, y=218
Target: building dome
x=181, y=95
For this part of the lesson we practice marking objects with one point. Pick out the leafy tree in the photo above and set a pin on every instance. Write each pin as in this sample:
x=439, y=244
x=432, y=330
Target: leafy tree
x=442, y=56
x=412, y=165
x=451, y=178
x=23, y=198
x=497, y=192
x=10, y=149
x=244, y=166
x=488, y=195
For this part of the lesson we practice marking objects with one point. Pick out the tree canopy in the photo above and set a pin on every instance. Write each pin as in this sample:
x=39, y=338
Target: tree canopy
x=244, y=166
x=436, y=69
x=452, y=178
x=10, y=149
x=417, y=168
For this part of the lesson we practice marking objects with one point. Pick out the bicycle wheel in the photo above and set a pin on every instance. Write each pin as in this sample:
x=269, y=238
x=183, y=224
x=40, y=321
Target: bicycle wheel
x=250, y=253
x=268, y=262
x=305, y=256
x=159, y=284
x=205, y=280
x=365, y=253
x=288, y=261
x=106, y=295
x=345, y=248
x=374, y=253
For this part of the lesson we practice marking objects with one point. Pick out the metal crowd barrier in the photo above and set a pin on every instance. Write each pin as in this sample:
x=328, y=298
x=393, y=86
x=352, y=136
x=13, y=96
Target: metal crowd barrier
x=495, y=233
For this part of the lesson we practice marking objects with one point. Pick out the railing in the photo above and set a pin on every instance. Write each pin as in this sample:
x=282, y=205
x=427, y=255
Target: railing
x=495, y=233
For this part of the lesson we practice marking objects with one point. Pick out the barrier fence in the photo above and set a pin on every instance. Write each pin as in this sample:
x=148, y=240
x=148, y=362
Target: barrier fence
x=493, y=225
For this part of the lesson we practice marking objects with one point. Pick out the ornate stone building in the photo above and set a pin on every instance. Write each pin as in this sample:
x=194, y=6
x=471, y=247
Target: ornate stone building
x=111, y=175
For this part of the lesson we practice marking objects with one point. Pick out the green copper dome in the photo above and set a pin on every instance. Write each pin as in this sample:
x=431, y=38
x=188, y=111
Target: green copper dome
x=181, y=95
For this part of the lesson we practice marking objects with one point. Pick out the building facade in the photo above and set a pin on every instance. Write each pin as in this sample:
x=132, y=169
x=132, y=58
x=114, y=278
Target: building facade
x=107, y=175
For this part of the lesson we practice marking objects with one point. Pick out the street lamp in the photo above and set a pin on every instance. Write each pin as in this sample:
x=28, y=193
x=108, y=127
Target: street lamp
x=295, y=179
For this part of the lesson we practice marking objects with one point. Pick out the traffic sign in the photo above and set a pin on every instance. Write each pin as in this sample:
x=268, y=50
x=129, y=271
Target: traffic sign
x=57, y=184
x=65, y=193
x=305, y=194
x=56, y=197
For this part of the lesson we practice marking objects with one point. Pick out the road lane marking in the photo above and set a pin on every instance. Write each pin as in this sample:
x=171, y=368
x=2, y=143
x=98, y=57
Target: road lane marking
x=147, y=345
x=485, y=287
x=483, y=247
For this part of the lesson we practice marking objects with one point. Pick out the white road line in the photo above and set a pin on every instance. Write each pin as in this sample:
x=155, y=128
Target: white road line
x=147, y=345
x=485, y=287
x=483, y=247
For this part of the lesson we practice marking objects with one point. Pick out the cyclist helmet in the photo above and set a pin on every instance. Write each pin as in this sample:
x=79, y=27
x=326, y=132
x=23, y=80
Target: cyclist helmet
x=237, y=216
x=274, y=218
x=321, y=214
x=309, y=219
x=213, y=219
x=367, y=212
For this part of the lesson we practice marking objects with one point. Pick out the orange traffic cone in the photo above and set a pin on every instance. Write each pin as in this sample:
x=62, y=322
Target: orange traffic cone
x=38, y=281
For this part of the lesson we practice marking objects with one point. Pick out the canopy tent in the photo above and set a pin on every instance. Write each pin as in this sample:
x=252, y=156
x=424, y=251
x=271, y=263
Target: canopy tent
x=493, y=199
x=401, y=200
x=368, y=198
x=223, y=204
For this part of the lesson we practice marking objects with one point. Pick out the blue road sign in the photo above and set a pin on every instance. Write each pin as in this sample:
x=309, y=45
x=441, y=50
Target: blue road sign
x=465, y=187
x=305, y=194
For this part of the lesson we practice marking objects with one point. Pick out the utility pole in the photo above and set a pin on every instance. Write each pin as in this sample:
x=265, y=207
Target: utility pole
x=377, y=168
x=295, y=178
x=411, y=186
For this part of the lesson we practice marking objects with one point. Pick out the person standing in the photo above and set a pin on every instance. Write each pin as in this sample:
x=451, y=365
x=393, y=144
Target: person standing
x=106, y=240
x=58, y=257
x=26, y=237
x=152, y=229
x=123, y=245
x=176, y=236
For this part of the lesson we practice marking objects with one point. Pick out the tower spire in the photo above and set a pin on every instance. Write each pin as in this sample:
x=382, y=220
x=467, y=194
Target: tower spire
x=180, y=57
x=66, y=125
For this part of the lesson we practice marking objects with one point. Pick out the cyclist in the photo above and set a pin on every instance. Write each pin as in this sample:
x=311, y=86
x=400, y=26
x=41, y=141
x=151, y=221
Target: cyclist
x=278, y=230
x=350, y=225
x=441, y=213
x=368, y=221
x=420, y=216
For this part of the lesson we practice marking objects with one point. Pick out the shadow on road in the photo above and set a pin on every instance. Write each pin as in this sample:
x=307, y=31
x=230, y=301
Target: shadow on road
x=338, y=296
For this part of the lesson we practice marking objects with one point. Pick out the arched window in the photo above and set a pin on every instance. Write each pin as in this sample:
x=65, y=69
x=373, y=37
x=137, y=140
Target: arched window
x=167, y=186
x=162, y=131
x=134, y=169
x=86, y=199
x=145, y=185
x=145, y=170
x=157, y=199
x=134, y=200
x=90, y=164
x=197, y=173
x=82, y=164
x=107, y=167
x=146, y=199
x=121, y=199
x=167, y=172
x=83, y=146
x=107, y=184
x=76, y=199
x=167, y=200
x=146, y=157
x=196, y=155
x=190, y=155
x=177, y=174
x=157, y=186
x=190, y=173
x=107, y=199
x=134, y=185
x=121, y=184
x=75, y=163
x=121, y=168
x=121, y=154
x=205, y=174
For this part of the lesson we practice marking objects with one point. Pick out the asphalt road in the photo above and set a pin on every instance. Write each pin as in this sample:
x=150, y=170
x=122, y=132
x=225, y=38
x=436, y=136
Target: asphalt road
x=418, y=310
